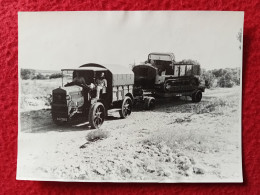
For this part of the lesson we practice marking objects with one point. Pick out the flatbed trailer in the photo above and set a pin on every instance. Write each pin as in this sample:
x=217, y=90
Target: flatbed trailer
x=148, y=97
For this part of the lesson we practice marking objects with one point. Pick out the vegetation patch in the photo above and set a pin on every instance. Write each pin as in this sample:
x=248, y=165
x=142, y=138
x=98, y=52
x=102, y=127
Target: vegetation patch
x=97, y=135
x=183, y=120
x=27, y=73
x=214, y=107
x=168, y=160
x=55, y=75
x=227, y=77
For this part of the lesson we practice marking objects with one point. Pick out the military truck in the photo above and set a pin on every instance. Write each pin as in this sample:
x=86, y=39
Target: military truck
x=163, y=77
x=76, y=99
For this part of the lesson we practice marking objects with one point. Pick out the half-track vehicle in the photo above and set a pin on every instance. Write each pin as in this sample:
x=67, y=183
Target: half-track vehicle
x=163, y=77
x=75, y=99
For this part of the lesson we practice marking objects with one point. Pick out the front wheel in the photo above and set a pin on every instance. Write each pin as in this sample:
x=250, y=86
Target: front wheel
x=196, y=97
x=126, y=107
x=149, y=103
x=96, y=115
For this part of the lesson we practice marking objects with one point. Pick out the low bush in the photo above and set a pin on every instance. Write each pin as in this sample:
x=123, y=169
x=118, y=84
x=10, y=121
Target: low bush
x=55, y=75
x=40, y=77
x=27, y=73
x=97, y=135
x=225, y=78
x=181, y=140
x=215, y=107
x=208, y=77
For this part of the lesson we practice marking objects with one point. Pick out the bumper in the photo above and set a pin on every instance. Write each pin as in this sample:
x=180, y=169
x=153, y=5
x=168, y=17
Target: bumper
x=59, y=112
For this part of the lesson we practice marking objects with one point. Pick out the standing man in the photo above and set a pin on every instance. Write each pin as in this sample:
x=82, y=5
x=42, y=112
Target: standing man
x=101, y=84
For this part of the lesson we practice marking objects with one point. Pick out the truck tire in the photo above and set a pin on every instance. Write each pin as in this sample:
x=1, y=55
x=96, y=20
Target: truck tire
x=149, y=103
x=96, y=115
x=196, y=97
x=126, y=107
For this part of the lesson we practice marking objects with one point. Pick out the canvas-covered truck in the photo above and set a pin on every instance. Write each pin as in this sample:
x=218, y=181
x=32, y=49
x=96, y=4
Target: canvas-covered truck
x=76, y=98
x=162, y=76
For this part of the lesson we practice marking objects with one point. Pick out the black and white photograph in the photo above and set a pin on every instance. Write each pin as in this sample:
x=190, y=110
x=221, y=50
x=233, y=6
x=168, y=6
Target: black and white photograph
x=130, y=96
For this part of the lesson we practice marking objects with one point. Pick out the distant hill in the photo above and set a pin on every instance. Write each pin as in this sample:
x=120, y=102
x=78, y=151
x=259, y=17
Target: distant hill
x=45, y=72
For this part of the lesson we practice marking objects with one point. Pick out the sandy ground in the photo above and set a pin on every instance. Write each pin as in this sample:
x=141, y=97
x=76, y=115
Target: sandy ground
x=178, y=141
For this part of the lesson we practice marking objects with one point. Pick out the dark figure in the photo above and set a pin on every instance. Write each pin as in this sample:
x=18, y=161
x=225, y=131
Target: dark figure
x=79, y=79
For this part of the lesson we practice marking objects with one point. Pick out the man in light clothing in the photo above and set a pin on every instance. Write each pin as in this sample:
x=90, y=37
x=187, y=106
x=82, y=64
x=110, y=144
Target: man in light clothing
x=101, y=85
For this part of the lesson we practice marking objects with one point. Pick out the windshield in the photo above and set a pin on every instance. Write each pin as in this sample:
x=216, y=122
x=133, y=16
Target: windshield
x=87, y=75
x=67, y=76
x=159, y=57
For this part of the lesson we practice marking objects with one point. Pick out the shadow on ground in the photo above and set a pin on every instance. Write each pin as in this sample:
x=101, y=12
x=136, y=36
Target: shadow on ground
x=178, y=105
x=39, y=121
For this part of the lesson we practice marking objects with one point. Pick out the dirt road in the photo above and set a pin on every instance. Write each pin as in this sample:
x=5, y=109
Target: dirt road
x=177, y=141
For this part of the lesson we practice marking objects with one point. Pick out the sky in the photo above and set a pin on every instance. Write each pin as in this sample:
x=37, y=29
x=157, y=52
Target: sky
x=56, y=40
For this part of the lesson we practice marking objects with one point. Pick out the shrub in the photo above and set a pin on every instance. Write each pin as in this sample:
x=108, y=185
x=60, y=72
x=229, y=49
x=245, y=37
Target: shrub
x=213, y=107
x=208, y=77
x=27, y=74
x=55, y=75
x=226, y=80
x=221, y=77
x=40, y=77
x=219, y=72
x=97, y=135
